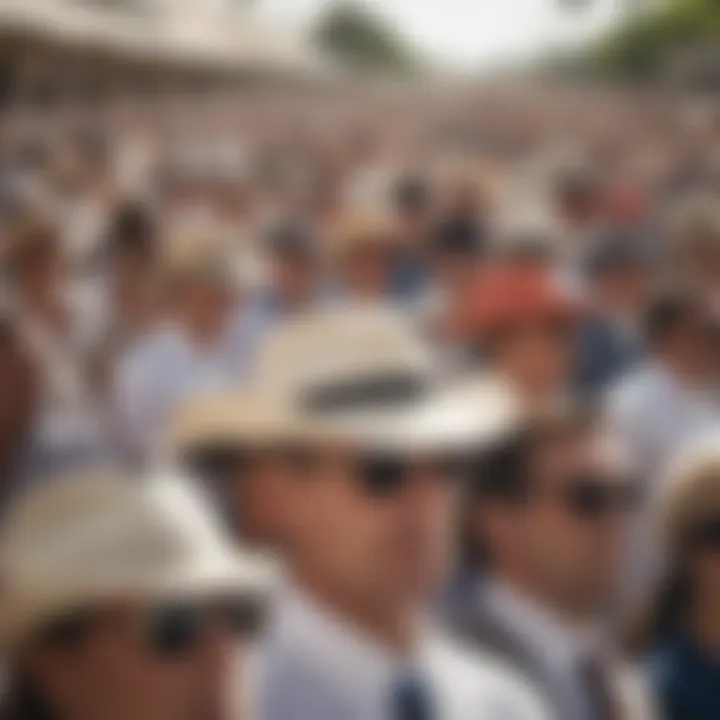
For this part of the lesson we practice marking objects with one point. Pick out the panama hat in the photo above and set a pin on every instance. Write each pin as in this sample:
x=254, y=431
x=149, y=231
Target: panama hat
x=363, y=231
x=81, y=541
x=224, y=420
x=690, y=492
x=201, y=254
x=362, y=375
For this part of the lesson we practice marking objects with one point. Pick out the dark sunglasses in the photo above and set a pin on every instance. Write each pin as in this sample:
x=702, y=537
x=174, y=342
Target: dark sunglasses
x=169, y=630
x=221, y=463
x=594, y=497
x=387, y=476
x=178, y=628
x=707, y=534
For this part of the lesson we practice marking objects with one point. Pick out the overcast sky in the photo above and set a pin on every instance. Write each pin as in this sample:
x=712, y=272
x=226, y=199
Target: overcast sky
x=474, y=33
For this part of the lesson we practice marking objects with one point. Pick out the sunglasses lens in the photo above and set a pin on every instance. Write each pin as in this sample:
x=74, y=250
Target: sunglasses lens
x=456, y=469
x=589, y=500
x=175, y=629
x=68, y=631
x=597, y=497
x=244, y=618
x=383, y=476
x=708, y=534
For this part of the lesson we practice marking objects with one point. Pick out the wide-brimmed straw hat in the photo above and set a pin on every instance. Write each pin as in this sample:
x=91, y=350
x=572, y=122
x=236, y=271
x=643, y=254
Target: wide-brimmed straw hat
x=83, y=541
x=361, y=232
x=355, y=376
x=222, y=420
x=204, y=254
x=690, y=494
x=362, y=375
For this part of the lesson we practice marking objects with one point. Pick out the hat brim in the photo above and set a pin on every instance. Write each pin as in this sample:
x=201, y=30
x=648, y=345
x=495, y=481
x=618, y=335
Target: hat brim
x=461, y=418
x=252, y=577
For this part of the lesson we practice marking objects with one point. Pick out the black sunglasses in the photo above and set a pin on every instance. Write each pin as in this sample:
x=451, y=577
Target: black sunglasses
x=387, y=476
x=178, y=628
x=593, y=497
x=707, y=534
x=221, y=463
x=169, y=630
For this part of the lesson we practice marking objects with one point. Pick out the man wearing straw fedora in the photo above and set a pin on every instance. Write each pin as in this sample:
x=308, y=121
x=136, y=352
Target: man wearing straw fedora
x=122, y=599
x=369, y=444
x=231, y=440
x=206, y=343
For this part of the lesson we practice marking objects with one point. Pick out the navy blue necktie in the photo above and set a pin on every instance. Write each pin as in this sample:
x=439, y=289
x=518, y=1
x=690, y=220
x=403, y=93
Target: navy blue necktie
x=412, y=700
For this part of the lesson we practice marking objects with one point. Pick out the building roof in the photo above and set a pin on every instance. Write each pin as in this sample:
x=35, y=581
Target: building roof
x=157, y=30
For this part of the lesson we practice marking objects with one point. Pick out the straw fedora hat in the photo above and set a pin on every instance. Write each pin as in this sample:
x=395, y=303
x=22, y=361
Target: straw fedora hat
x=81, y=541
x=224, y=420
x=690, y=492
x=205, y=253
x=362, y=375
x=366, y=231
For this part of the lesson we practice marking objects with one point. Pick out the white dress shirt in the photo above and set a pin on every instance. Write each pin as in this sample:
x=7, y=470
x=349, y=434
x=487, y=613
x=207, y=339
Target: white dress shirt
x=167, y=368
x=314, y=665
x=558, y=648
x=654, y=415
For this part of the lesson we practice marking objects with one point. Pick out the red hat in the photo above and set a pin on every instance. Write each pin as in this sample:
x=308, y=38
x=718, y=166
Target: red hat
x=509, y=295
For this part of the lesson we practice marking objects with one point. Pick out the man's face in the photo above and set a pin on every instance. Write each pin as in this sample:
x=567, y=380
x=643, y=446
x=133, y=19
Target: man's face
x=579, y=206
x=294, y=278
x=368, y=271
x=174, y=662
x=694, y=345
x=375, y=526
x=254, y=497
x=204, y=303
x=537, y=356
x=43, y=273
x=703, y=556
x=18, y=396
x=624, y=290
x=573, y=525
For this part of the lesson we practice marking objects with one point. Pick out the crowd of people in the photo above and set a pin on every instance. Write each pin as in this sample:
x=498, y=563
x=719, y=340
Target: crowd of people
x=397, y=403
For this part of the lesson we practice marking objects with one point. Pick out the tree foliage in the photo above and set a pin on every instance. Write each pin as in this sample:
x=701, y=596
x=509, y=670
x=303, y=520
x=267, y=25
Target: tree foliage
x=354, y=35
x=646, y=46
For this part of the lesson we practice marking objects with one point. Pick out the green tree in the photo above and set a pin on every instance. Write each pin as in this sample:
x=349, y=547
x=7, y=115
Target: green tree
x=354, y=35
x=647, y=45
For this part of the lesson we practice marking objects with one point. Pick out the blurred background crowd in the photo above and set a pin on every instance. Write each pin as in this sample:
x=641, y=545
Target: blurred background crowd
x=291, y=353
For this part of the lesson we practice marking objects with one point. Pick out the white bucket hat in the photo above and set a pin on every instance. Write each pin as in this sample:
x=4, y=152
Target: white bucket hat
x=81, y=541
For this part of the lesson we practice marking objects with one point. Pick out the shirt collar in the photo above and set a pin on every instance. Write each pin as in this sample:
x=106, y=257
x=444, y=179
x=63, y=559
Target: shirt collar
x=551, y=640
x=359, y=668
x=675, y=385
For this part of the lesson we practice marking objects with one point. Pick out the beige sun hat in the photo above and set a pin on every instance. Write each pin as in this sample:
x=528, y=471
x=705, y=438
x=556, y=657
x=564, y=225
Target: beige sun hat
x=690, y=493
x=363, y=231
x=80, y=541
x=362, y=375
x=226, y=419
x=202, y=253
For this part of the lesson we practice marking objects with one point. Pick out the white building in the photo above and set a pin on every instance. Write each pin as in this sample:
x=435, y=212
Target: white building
x=71, y=44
